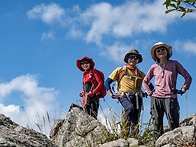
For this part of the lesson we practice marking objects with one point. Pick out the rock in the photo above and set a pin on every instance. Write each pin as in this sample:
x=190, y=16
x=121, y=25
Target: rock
x=78, y=129
x=187, y=121
x=130, y=142
x=180, y=136
x=11, y=134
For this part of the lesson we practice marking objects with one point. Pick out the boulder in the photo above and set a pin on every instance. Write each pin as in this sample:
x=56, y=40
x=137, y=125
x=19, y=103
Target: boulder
x=181, y=136
x=12, y=134
x=78, y=129
x=130, y=142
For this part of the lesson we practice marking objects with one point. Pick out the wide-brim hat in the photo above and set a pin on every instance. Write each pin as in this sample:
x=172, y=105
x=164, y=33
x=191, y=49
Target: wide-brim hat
x=134, y=52
x=78, y=63
x=160, y=44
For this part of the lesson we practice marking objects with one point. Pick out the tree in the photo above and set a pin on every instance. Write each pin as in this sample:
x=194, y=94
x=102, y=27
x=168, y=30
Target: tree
x=180, y=5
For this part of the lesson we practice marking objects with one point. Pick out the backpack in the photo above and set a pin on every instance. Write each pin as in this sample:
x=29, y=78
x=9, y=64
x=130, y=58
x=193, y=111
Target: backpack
x=138, y=80
x=102, y=92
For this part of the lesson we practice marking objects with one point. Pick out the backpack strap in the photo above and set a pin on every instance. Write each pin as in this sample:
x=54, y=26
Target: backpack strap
x=123, y=72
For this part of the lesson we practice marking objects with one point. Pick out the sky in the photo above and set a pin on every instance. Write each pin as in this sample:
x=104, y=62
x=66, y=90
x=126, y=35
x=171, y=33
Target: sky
x=40, y=42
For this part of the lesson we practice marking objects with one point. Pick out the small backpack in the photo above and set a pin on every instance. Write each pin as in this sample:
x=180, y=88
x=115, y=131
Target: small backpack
x=102, y=92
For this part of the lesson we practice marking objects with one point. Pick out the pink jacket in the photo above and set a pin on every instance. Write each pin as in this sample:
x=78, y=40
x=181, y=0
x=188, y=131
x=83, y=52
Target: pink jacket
x=165, y=78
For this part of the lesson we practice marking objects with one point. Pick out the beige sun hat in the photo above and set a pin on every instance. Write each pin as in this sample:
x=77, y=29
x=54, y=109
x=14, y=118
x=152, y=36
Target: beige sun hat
x=160, y=44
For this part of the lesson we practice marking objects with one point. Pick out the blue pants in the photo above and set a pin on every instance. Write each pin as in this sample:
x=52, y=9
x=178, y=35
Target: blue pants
x=129, y=104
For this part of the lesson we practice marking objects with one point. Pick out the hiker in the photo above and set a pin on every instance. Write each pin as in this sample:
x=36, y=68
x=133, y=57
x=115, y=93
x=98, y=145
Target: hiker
x=129, y=80
x=92, y=84
x=163, y=97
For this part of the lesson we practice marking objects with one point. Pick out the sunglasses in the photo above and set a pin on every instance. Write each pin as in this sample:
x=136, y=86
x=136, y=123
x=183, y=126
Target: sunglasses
x=133, y=57
x=160, y=49
x=85, y=62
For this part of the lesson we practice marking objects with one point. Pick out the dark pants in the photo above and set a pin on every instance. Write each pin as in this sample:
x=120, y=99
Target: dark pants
x=92, y=106
x=171, y=108
x=129, y=104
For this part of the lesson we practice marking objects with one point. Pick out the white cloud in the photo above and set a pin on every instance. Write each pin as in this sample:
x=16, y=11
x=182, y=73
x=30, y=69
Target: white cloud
x=37, y=100
x=102, y=20
x=47, y=13
x=188, y=46
x=48, y=35
x=74, y=32
x=9, y=110
x=117, y=51
x=125, y=20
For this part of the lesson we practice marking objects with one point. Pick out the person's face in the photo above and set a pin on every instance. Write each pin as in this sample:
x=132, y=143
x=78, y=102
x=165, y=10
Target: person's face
x=133, y=60
x=161, y=52
x=85, y=64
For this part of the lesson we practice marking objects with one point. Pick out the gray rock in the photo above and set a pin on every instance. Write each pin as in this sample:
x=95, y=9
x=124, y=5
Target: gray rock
x=187, y=121
x=13, y=135
x=180, y=135
x=78, y=129
x=130, y=142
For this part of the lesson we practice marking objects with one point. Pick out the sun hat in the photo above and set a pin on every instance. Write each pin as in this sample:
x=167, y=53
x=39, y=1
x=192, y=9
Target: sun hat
x=160, y=44
x=134, y=52
x=78, y=63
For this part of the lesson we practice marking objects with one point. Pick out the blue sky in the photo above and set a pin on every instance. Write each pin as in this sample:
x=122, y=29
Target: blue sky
x=40, y=42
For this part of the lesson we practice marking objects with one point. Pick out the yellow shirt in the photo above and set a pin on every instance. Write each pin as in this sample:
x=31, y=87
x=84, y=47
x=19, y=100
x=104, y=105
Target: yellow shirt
x=126, y=84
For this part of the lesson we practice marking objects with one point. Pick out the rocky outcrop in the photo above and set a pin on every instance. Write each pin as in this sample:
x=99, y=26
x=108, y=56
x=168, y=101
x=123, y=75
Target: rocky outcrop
x=130, y=142
x=182, y=136
x=78, y=129
x=13, y=135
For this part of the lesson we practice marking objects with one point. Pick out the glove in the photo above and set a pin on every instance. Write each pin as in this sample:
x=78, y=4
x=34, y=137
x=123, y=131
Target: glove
x=144, y=95
x=81, y=94
x=116, y=96
x=91, y=94
x=176, y=91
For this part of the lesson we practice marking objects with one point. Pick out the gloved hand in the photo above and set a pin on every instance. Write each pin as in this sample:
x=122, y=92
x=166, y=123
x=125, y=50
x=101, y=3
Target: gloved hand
x=91, y=94
x=176, y=91
x=144, y=94
x=116, y=96
x=81, y=94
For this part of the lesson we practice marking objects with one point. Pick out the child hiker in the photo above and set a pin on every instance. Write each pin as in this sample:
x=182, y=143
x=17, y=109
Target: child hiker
x=129, y=80
x=92, y=83
x=164, y=97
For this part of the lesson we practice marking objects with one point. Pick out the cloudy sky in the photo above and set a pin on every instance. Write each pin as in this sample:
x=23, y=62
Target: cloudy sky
x=40, y=42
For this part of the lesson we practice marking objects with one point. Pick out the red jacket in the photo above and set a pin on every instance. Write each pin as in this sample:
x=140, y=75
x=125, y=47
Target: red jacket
x=93, y=76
